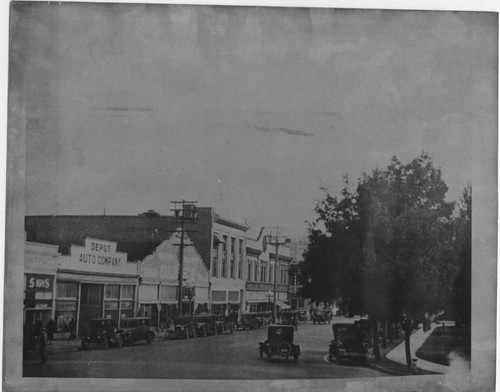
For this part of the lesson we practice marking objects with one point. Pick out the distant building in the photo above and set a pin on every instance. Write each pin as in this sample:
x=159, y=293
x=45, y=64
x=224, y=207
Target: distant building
x=261, y=259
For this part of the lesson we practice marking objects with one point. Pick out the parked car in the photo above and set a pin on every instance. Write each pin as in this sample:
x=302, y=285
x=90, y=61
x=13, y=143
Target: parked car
x=264, y=319
x=224, y=325
x=279, y=342
x=321, y=316
x=206, y=324
x=136, y=328
x=103, y=333
x=184, y=327
x=348, y=343
x=248, y=320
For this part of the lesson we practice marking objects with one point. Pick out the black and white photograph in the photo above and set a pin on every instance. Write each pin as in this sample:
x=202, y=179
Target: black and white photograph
x=250, y=197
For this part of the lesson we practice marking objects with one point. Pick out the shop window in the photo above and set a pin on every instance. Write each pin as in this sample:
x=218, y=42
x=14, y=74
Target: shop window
x=127, y=309
x=111, y=309
x=169, y=292
x=233, y=296
x=67, y=290
x=128, y=292
x=65, y=311
x=112, y=291
x=43, y=295
x=148, y=292
x=218, y=296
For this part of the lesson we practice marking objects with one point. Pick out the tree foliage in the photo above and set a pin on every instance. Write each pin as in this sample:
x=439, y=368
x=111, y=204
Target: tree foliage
x=391, y=246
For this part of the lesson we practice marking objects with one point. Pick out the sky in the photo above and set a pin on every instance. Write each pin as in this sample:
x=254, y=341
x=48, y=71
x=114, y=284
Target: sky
x=250, y=110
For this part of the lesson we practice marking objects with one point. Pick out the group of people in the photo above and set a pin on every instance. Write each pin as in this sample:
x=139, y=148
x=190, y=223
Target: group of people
x=38, y=335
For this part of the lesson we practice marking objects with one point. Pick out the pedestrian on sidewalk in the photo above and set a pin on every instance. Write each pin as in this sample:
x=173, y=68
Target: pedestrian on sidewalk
x=72, y=326
x=51, y=329
x=42, y=342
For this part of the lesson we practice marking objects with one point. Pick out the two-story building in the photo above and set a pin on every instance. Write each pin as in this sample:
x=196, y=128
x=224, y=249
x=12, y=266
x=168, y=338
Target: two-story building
x=265, y=259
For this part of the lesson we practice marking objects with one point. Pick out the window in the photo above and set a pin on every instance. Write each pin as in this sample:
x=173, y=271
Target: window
x=270, y=273
x=256, y=271
x=240, y=260
x=128, y=292
x=249, y=272
x=215, y=260
x=66, y=304
x=112, y=291
x=67, y=290
x=224, y=256
x=263, y=273
x=233, y=258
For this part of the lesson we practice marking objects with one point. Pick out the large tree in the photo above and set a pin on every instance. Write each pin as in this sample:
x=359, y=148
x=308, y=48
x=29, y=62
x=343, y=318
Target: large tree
x=388, y=248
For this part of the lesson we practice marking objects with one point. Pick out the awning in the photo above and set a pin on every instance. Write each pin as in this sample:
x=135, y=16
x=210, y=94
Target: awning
x=217, y=239
x=282, y=305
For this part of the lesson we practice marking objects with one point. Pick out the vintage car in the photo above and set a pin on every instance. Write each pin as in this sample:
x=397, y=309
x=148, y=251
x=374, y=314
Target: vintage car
x=348, y=343
x=321, y=316
x=279, y=342
x=206, y=324
x=225, y=324
x=264, y=319
x=103, y=333
x=136, y=328
x=248, y=320
x=184, y=327
x=288, y=317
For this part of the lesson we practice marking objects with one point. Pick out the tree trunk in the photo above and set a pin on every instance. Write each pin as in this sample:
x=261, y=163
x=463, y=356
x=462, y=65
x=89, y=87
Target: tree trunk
x=376, y=348
x=408, y=329
x=384, y=336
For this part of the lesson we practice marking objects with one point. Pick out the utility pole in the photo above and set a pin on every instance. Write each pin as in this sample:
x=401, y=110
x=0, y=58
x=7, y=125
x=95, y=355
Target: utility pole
x=277, y=243
x=186, y=212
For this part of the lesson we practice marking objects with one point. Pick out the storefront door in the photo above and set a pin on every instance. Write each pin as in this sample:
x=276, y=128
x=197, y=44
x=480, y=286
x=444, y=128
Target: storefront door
x=90, y=305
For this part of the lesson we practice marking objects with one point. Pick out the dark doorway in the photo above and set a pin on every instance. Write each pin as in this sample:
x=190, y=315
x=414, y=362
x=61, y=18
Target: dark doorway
x=90, y=305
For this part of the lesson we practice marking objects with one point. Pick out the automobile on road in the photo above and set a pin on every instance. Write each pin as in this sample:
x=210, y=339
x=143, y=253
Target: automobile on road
x=321, y=316
x=184, y=327
x=279, y=342
x=136, y=328
x=103, y=333
x=248, y=320
x=348, y=344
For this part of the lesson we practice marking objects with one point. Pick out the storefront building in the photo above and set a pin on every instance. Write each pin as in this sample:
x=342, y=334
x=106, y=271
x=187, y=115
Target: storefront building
x=159, y=282
x=227, y=275
x=260, y=282
x=40, y=265
x=94, y=281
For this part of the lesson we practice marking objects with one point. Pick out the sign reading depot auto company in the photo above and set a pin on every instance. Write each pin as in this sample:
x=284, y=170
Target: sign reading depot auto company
x=99, y=256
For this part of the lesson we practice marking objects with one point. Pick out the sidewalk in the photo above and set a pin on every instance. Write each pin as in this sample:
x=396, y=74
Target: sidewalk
x=398, y=355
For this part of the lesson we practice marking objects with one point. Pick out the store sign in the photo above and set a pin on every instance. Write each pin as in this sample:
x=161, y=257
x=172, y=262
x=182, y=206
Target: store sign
x=99, y=256
x=36, y=282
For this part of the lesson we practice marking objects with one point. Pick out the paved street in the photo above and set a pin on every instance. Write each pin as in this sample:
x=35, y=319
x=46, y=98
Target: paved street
x=229, y=356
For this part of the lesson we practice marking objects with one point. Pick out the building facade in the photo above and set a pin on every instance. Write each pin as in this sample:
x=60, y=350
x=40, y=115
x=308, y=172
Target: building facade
x=159, y=283
x=264, y=261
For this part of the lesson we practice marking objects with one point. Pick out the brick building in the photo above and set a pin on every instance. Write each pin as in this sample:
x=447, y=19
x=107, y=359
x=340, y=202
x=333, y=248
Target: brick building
x=219, y=242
